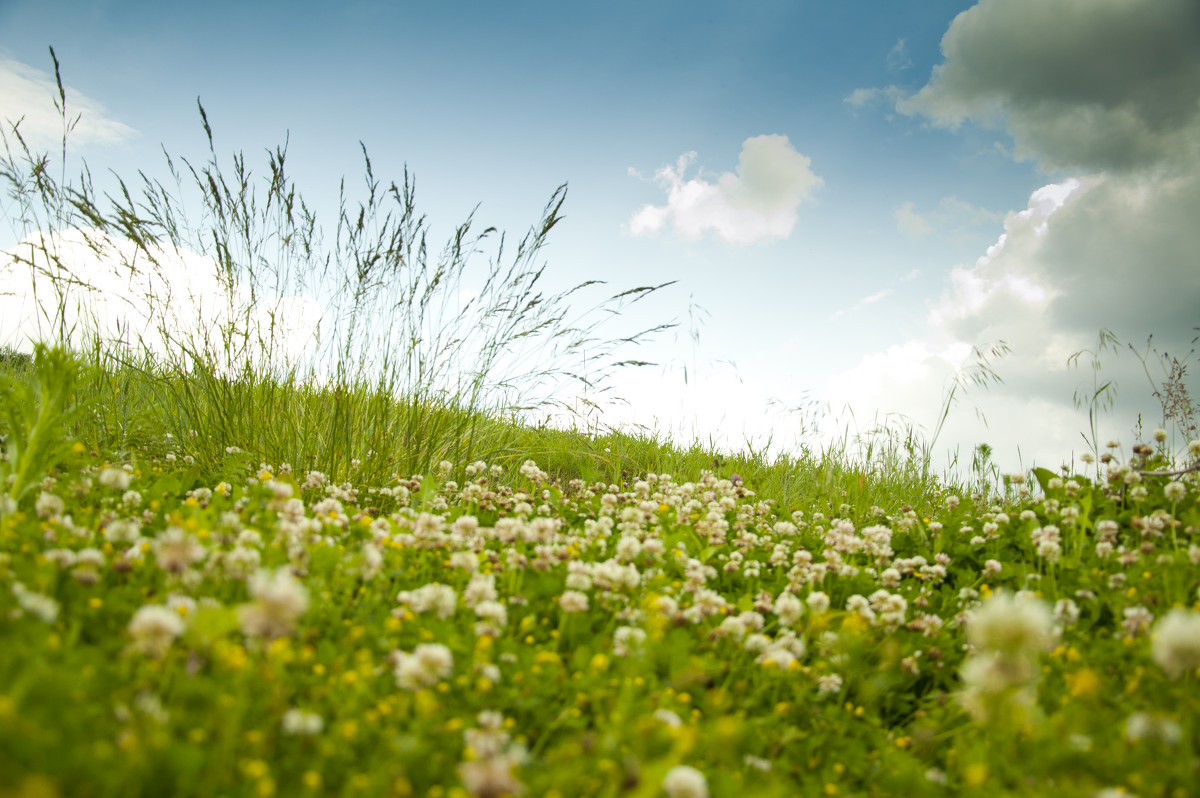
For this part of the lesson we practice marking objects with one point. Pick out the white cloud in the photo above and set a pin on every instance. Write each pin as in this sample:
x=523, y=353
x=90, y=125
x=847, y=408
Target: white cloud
x=862, y=303
x=87, y=283
x=29, y=95
x=860, y=98
x=952, y=214
x=1093, y=85
x=910, y=223
x=757, y=203
x=897, y=57
x=1107, y=92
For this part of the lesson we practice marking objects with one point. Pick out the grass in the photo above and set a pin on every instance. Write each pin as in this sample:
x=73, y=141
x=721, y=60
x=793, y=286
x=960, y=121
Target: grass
x=233, y=571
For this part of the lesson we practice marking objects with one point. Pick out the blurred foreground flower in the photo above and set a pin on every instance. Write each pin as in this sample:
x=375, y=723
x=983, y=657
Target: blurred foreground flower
x=1176, y=645
x=154, y=627
x=281, y=599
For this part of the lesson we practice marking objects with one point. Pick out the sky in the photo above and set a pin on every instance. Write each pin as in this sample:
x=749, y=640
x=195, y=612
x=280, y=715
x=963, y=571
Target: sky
x=851, y=200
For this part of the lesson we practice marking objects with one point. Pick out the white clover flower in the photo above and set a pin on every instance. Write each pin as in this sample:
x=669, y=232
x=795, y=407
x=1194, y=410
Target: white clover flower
x=1137, y=620
x=154, y=628
x=829, y=684
x=433, y=597
x=757, y=642
x=1008, y=624
x=240, y=561
x=732, y=626
x=482, y=587
x=1143, y=725
x=579, y=581
x=281, y=599
x=492, y=611
x=1066, y=612
x=41, y=607
x=63, y=558
x=1175, y=491
x=818, y=602
x=175, y=550
x=683, y=781
x=776, y=655
x=372, y=561
x=465, y=560
x=573, y=601
x=490, y=776
x=1176, y=644
x=424, y=667
x=788, y=608
x=668, y=717
x=113, y=477
x=757, y=762
x=299, y=723
x=49, y=506
x=627, y=639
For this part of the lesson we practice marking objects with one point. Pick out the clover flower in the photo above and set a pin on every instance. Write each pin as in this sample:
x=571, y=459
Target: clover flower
x=175, y=550
x=818, y=602
x=1176, y=645
x=425, y=666
x=627, y=639
x=433, y=597
x=113, y=477
x=482, y=587
x=788, y=609
x=829, y=684
x=573, y=601
x=281, y=599
x=154, y=628
x=42, y=607
x=49, y=506
x=1007, y=633
x=1175, y=491
x=490, y=777
x=683, y=781
x=1008, y=624
x=299, y=723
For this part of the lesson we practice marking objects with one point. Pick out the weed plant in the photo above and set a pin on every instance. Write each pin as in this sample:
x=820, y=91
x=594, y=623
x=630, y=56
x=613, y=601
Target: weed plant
x=228, y=572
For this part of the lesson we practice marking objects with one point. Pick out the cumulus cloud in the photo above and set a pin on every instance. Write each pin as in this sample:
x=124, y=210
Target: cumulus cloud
x=1102, y=85
x=89, y=284
x=1107, y=92
x=756, y=203
x=29, y=95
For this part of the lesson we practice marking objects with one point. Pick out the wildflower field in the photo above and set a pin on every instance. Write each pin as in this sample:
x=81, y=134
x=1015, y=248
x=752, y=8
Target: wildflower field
x=251, y=629
x=229, y=570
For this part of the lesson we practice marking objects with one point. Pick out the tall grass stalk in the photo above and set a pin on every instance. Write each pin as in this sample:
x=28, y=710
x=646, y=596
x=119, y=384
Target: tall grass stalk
x=370, y=351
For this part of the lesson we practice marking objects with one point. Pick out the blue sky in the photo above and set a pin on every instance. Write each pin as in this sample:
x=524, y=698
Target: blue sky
x=855, y=193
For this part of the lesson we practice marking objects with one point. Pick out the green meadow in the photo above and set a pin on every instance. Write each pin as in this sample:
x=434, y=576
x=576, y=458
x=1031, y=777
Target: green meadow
x=365, y=567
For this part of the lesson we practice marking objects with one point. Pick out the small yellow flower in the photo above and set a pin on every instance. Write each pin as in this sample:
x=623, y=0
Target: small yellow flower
x=1083, y=683
x=976, y=774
